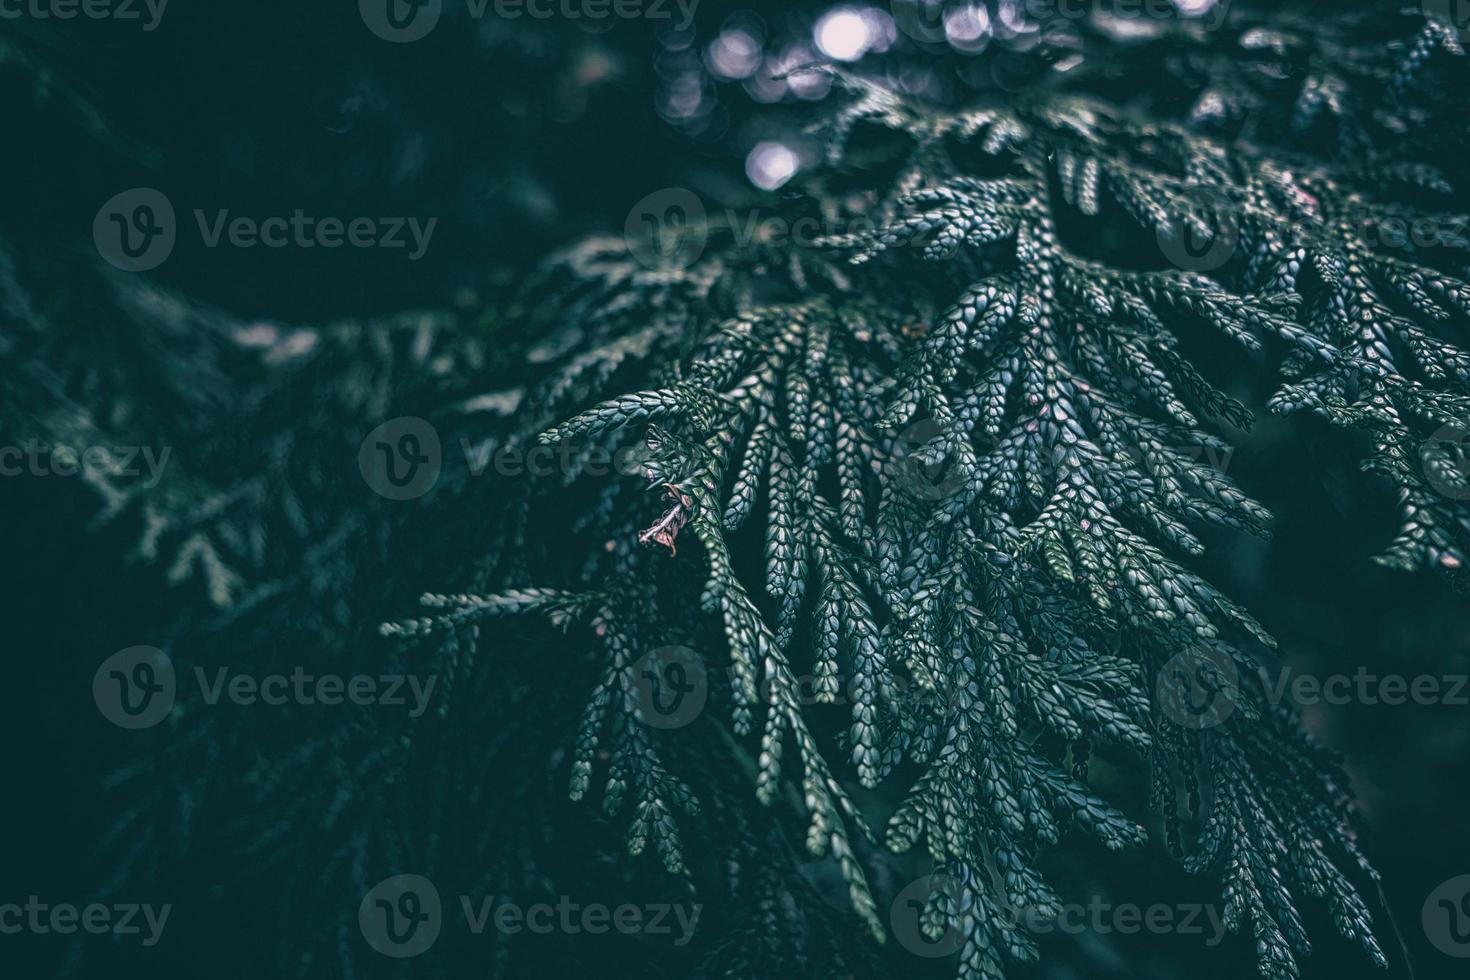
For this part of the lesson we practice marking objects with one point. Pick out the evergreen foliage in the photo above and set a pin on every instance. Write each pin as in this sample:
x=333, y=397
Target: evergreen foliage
x=980, y=480
x=928, y=500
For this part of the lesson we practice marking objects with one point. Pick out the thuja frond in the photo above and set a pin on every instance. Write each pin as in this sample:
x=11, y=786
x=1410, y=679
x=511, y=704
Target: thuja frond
x=955, y=467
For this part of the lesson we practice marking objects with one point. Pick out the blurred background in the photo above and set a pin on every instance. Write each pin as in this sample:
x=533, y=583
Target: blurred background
x=517, y=136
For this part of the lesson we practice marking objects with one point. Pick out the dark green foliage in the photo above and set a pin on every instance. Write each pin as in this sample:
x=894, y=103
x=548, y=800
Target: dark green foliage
x=980, y=478
x=928, y=501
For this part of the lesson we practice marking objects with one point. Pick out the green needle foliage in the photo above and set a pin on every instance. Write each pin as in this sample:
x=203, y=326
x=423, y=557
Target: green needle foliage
x=954, y=465
x=912, y=517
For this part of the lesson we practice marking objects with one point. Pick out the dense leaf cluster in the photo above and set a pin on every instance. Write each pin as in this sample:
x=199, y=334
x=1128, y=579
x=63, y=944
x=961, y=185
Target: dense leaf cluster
x=928, y=501
x=979, y=479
